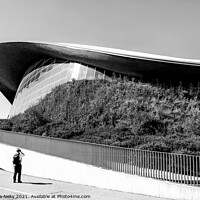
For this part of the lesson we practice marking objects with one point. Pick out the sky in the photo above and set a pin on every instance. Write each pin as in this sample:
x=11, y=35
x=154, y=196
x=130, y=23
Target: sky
x=161, y=27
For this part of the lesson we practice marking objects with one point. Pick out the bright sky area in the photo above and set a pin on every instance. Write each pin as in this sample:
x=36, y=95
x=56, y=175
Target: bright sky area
x=151, y=26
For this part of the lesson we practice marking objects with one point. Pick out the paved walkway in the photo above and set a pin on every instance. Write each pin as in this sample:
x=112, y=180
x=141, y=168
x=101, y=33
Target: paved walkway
x=40, y=188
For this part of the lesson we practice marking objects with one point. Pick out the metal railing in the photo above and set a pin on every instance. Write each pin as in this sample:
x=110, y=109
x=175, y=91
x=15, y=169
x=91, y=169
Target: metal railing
x=179, y=168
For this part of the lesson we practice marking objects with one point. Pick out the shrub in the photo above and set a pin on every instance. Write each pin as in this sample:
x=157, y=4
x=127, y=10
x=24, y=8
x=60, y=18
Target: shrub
x=5, y=124
x=117, y=112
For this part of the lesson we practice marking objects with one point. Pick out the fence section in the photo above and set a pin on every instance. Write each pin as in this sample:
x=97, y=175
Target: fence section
x=178, y=168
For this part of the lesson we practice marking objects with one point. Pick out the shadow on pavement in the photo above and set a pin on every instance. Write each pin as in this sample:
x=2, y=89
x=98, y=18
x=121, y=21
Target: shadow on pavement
x=35, y=183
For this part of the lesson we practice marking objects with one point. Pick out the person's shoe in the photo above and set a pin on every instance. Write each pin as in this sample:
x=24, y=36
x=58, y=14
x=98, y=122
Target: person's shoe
x=19, y=181
x=14, y=181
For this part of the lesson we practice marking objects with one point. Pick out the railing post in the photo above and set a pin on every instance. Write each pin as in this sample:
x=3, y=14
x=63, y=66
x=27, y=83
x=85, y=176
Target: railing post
x=153, y=168
x=151, y=165
x=147, y=170
x=187, y=169
x=181, y=167
x=111, y=157
x=163, y=167
x=175, y=168
x=190, y=170
x=197, y=171
x=135, y=161
x=193, y=164
x=159, y=165
x=184, y=169
x=156, y=163
x=167, y=169
x=140, y=162
x=179, y=179
x=170, y=161
x=132, y=161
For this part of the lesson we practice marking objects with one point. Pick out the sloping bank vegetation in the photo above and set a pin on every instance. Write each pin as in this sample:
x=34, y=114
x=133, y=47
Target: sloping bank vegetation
x=117, y=112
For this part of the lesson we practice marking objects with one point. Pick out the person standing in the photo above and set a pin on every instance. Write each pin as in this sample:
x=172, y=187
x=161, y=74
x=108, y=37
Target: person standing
x=17, y=163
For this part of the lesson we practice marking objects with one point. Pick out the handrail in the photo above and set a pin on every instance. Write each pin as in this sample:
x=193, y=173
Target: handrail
x=179, y=168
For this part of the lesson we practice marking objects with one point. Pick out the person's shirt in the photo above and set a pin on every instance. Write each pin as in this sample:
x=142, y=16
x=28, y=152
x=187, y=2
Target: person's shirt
x=17, y=158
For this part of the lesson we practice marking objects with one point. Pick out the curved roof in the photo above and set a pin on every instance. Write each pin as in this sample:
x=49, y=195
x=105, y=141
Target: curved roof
x=17, y=57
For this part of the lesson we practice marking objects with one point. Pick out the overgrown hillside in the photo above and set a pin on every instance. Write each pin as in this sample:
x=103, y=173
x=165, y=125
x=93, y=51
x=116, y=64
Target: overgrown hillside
x=117, y=112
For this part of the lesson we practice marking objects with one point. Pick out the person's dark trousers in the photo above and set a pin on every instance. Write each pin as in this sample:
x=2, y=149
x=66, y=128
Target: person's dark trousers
x=18, y=170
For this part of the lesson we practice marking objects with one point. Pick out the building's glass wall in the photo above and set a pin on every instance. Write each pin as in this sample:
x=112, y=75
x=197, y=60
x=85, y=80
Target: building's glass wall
x=42, y=80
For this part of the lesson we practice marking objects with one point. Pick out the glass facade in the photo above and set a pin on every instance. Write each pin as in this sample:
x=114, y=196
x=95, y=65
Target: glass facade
x=43, y=79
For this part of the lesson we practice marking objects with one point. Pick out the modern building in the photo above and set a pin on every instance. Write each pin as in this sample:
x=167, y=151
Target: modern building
x=29, y=70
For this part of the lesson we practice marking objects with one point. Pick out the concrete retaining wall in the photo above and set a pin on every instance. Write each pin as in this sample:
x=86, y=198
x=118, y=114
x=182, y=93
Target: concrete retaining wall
x=41, y=165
